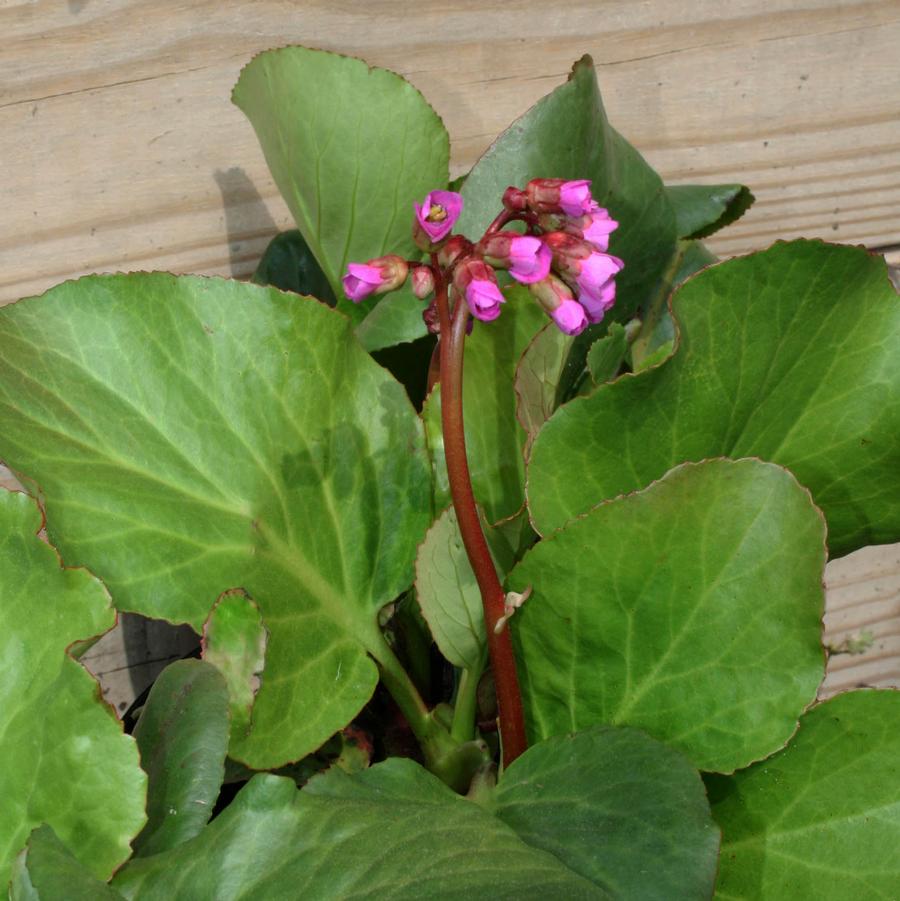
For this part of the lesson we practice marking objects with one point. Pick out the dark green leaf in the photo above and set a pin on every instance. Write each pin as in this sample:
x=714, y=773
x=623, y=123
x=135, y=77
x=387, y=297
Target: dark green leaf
x=701, y=210
x=63, y=758
x=606, y=355
x=351, y=147
x=395, y=319
x=47, y=871
x=289, y=264
x=821, y=819
x=192, y=435
x=618, y=808
x=182, y=735
x=791, y=355
x=691, y=609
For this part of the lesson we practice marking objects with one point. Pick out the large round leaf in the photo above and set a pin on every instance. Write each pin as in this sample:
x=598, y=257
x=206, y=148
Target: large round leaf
x=64, y=759
x=192, y=435
x=791, y=355
x=606, y=814
x=692, y=609
x=350, y=147
x=821, y=819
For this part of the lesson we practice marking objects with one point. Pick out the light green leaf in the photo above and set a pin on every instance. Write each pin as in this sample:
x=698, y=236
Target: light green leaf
x=192, y=435
x=64, y=759
x=821, y=819
x=182, y=735
x=47, y=871
x=448, y=592
x=618, y=808
x=234, y=642
x=606, y=355
x=791, y=355
x=494, y=438
x=395, y=319
x=566, y=135
x=701, y=210
x=691, y=609
x=538, y=378
x=393, y=831
x=351, y=147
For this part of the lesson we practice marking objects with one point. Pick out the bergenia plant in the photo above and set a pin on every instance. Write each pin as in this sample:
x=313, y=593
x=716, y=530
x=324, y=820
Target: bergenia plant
x=500, y=508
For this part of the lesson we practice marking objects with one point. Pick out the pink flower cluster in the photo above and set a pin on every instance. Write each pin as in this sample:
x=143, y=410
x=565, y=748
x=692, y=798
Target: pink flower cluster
x=562, y=258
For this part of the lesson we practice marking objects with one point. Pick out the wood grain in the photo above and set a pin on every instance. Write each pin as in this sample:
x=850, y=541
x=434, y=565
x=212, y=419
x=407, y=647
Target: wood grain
x=120, y=149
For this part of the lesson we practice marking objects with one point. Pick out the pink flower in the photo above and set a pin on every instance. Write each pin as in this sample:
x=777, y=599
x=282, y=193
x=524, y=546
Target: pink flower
x=438, y=214
x=527, y=257
x=570, y=317
x=575, y=197
x=556, y=299
x=375, y=277
x=595, y=228
x=476, y=281
x=596, y=272
x=596, y=305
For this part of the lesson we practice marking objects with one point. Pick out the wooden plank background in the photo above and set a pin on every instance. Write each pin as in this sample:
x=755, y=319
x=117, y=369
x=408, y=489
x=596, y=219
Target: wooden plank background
x=119, y=148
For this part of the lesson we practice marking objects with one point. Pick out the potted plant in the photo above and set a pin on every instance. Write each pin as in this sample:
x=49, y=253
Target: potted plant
x=502, y=509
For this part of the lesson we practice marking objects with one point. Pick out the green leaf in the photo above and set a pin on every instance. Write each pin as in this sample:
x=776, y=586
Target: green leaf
x=691, y=609
x=618, y=808
x=395, y=319
x=351, y=147
x=701, y=210
x=234, y=642
x=448, y=593
x=398, y=832
x=566, y=135
x=393, y=831
x=494, y=438
x=64, y=759
x=791, y=355
x=182, y=735
x=538, y=377
x=289, y=264
x=821, y=819
x=47, y=871
x=606, y=355
x=191, y=435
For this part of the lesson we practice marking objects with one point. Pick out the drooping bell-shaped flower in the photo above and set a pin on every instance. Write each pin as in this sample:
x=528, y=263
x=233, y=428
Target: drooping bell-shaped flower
x=556, y=299
x=525, y=256
x=435, y=217
x=377, y=276
x=589, y=270
x=594, y=227
x=476, y=281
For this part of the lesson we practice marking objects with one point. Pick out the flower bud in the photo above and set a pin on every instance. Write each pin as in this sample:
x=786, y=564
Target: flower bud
x=422, y=279
x=556, y=195
x=456, y=247
x=436, y=217
x=377, y=276
x=526, y=256
x=476, y=281
x=515, y=200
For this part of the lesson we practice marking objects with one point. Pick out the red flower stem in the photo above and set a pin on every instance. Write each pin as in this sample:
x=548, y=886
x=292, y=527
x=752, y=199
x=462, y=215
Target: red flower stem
x=503, y=662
